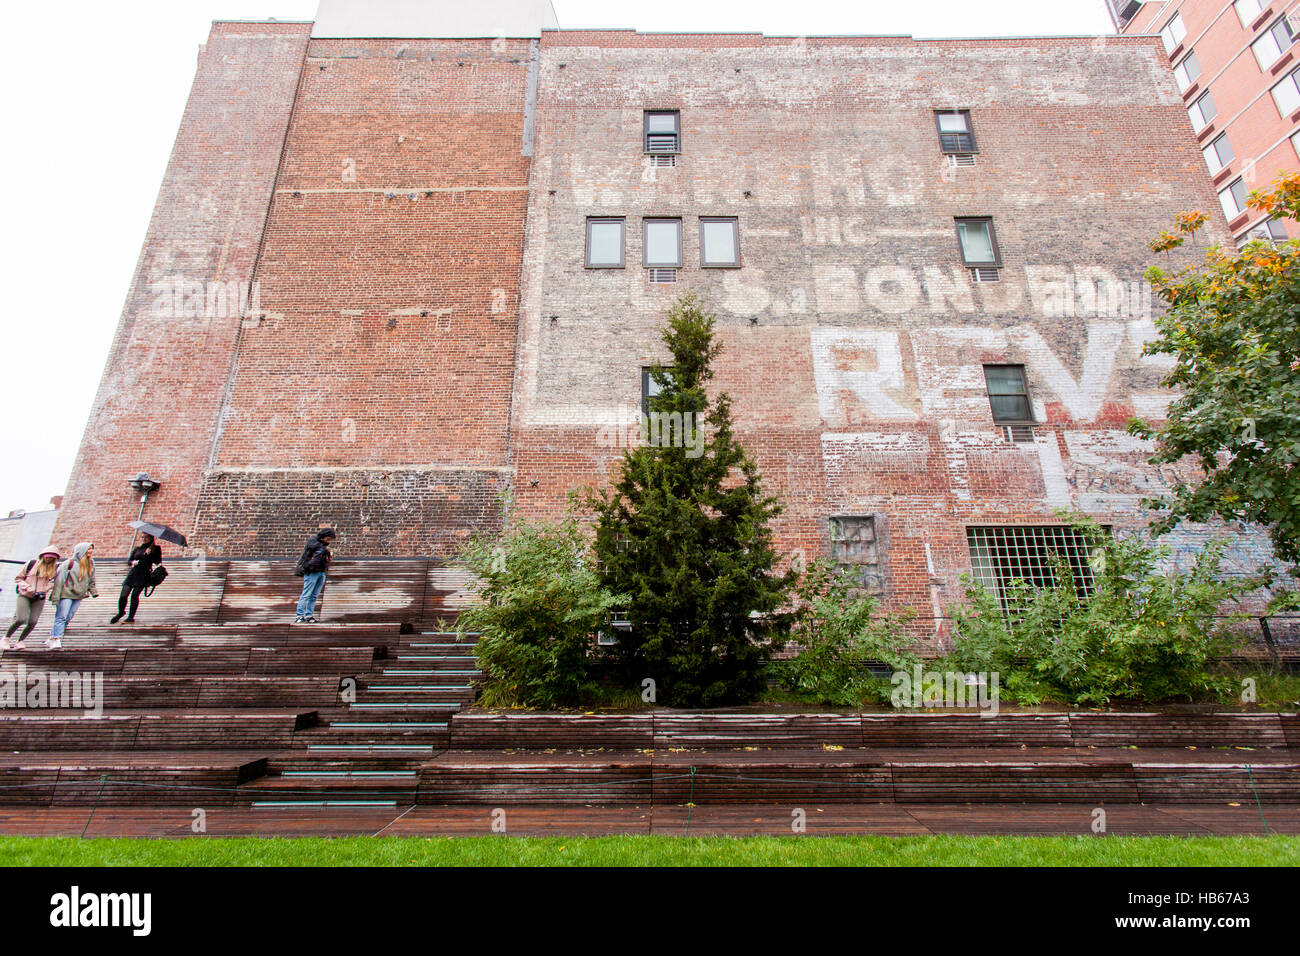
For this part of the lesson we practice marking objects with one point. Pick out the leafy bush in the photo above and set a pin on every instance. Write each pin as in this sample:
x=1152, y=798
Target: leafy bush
x=1143, y=635
x=542, y=602
x=839, y=633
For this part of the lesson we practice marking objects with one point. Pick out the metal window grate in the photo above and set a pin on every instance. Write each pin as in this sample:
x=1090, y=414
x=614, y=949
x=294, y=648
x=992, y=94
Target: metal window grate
x=1018, y=434
x=1002, y=554
x=663, y=275
x=661, y=143
x=667, y=159
x=985, y=274
x=964, y=159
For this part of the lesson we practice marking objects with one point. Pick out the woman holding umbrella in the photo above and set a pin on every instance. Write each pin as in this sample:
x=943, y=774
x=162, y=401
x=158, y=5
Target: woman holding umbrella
x=143, y=558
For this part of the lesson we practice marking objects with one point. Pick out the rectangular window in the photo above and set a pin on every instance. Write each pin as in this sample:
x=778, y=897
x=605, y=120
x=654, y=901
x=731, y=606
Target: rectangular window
x=1187, y=72
x=649, y=389
x=1174, y=33
x=1272, y=43
x=604, y=243
x=663, y=131
x=1295, y=144
x=1203, y=111
x=979, y=246
x=719, y=243
x=1248, y=10
x=1287, y=96
x=956, y=136
x=1002, y=554
x=1008, y=396
x=1219, y=153
x=662, y=243
x=1233, y=199
x=855, y=548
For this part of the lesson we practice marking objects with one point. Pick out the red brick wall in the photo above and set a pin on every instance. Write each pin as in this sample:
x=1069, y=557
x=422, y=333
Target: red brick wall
x=853, y=337
x=158, y=402
x=390, y=284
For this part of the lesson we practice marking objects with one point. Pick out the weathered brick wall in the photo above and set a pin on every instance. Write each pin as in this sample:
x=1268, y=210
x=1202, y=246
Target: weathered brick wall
x=389, y=281
x=158, y=402
x=854, y=338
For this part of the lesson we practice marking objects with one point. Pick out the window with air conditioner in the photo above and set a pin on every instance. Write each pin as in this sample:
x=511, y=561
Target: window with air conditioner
x=1233, y=199
x=1272, y=43
x=1203, y=111
x=1248, y=10
x=1187, y=72
x=1287, y=95
x=1174, y=33
x=719, y=242
x=662, y=243
x=663, y=131
x=979, y=247
x=604, y=243
x=1218, y=154
x=956, y=135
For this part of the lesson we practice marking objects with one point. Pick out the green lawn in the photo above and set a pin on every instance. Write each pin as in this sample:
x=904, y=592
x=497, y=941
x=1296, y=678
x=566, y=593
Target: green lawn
x=656, y=851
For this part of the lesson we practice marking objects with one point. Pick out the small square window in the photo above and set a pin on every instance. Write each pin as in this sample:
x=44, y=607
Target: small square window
x=1203, y=111
x=1219, y=153
x=1233, y=199
x=604, y=243
x=1287, y=96
x=979, y=246
x=956, y=135
x=1272, y=43
x=663, y=131
x=1187, y=72
x=719, y=243
x=1174, y=33
x=662, y=243
x=1008, y=396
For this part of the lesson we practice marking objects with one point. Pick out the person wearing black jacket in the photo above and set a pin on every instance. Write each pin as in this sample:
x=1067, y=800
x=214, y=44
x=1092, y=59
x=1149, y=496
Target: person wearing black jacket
x=313, y=563
x=143, y=558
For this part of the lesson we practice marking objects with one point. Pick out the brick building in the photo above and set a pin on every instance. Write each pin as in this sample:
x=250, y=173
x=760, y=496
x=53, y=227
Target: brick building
x=457, y=237
x=1235, y=63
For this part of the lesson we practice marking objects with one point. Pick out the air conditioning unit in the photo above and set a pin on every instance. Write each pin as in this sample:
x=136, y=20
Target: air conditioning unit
x=963, y=159
x=662, y=276
x=668, y=159
x=1018, y=434
x=985, y=274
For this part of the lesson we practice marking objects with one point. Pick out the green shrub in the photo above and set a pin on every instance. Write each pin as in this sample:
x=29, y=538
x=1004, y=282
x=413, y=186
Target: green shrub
x=838, y=633
x=1143, y=635
x=542, y=602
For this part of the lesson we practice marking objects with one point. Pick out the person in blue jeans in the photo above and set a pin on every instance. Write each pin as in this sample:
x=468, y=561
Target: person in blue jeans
x=73, y=583
x=312, y=565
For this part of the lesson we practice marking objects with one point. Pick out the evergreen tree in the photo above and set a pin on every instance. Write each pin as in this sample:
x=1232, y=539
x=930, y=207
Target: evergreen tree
x=684, y=532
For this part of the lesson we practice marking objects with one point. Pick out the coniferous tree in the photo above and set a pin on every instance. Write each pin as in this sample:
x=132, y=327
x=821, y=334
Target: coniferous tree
x=685, y=533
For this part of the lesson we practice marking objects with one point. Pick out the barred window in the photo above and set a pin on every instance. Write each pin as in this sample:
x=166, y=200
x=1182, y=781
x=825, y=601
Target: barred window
x=1002, y=554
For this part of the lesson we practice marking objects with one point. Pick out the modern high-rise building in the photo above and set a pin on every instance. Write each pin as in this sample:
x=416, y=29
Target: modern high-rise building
x=412, y=255
x=1238, y=70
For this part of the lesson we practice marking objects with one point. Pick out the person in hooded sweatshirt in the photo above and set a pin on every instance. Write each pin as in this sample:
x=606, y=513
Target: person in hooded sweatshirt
x=312, y=565
x=34, y=581
x=74, y=582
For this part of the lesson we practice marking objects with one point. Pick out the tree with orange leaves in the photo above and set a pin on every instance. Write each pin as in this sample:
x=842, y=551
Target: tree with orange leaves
x=1233, y=329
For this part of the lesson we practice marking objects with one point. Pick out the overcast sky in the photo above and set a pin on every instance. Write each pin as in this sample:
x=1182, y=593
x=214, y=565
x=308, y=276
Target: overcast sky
x=95, y=92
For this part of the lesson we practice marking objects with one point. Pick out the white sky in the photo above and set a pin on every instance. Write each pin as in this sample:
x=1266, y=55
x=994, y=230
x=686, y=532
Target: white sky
x=95, y=96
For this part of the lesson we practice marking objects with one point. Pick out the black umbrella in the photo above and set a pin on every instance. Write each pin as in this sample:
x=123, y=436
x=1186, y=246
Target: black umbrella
x=160, y=531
